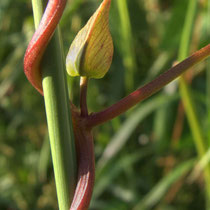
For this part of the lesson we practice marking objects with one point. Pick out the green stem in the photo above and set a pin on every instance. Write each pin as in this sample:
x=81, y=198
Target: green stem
x=127, y=46
x=186, y=94
x=58, y=116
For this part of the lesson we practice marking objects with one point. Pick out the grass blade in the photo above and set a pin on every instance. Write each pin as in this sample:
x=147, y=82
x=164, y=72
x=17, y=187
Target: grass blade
x=161, y=188
x=185, y=92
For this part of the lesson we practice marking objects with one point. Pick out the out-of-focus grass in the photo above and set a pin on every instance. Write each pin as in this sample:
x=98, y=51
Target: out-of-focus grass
x=186, y=96
x=145, y=164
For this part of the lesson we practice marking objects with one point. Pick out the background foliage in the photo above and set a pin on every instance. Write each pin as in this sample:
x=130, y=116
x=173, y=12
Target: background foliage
x=145, y=159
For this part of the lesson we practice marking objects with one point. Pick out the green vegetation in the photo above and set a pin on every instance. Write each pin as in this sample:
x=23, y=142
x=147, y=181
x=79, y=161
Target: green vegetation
x=146, y=158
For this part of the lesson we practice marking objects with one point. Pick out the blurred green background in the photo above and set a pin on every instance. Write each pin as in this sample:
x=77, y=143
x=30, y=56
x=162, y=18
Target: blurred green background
x=146, y=158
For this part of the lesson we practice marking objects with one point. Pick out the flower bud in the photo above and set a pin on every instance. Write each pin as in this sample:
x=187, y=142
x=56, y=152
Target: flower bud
x=91, y=52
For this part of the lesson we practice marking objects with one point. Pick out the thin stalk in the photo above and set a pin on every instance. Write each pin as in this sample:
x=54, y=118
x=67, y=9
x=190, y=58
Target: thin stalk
x=187, y=99
x=127, y=46
x=147, y=90
x=58, y=116
x=83, y=96
x=37, y=12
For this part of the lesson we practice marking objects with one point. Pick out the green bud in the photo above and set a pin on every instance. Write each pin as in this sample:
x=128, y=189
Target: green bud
x=91, y=52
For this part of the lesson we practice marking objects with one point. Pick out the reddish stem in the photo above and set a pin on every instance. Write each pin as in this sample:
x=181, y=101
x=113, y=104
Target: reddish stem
x=86, y=162
x=83, y=136
x=40, y=39
x=147, y=90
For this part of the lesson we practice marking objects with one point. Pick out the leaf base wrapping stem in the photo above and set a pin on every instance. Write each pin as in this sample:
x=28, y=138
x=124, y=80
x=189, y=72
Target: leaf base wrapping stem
x=85, y=161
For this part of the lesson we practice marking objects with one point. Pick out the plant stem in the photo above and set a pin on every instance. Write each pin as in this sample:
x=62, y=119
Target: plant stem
x=83, y=96
x=127, y=45
x=147, y=90
x=58, y=116
x=186, y=94
x=37, y=11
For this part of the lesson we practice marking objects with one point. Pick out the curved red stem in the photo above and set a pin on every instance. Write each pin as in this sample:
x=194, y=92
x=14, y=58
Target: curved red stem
x=83, y=137
x=40, y=39
x=147, y=90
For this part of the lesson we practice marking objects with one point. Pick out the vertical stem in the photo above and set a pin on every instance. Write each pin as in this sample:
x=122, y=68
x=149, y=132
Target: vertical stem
x=58, y=116
x=37, y=11
x=186, y=94
x=127, y=46
x=83, y=96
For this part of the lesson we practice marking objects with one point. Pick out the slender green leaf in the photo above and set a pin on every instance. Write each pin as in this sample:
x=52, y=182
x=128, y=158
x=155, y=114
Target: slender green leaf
x=158, y=192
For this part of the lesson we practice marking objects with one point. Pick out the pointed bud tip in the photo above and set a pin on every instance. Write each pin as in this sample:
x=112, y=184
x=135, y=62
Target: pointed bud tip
x=91, y=52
